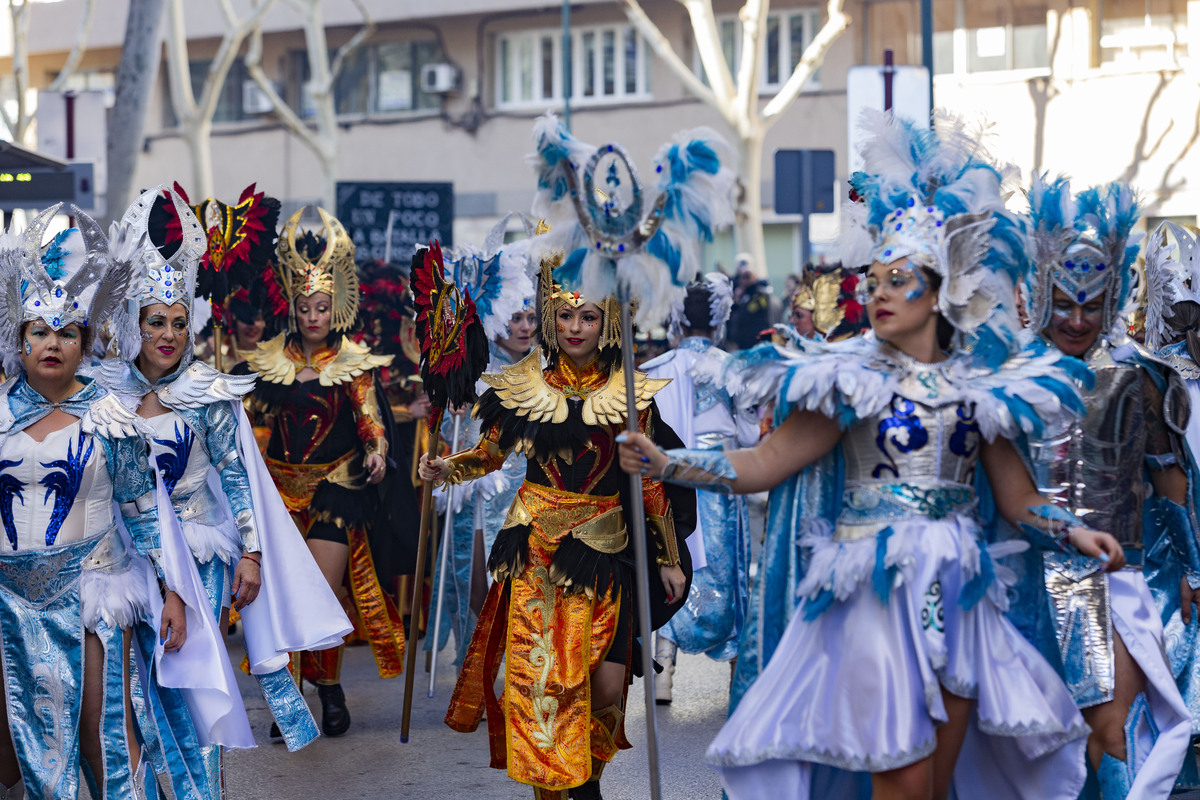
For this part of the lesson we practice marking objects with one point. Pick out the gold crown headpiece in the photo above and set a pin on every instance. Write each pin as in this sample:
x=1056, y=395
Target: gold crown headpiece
x=552, y=297
x=819, y=293
x=333, y=273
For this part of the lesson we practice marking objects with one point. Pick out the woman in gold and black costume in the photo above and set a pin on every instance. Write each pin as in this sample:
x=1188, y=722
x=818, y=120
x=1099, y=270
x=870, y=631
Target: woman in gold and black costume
x=328, y=445
x=561, y=610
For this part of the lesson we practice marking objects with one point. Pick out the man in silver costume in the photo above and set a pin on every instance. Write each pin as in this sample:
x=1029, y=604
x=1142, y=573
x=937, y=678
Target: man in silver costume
x=1125, y=468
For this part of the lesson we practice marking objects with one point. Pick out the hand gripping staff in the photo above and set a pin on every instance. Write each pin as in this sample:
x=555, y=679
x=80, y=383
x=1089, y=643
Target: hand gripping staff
x=454, y=353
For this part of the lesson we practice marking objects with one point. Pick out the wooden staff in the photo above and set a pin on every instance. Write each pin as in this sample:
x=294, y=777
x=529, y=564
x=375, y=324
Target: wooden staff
x=418, y=582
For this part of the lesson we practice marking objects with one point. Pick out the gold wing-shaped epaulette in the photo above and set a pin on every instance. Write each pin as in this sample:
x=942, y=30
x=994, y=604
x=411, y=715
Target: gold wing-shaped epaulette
x=353, y=359
x=606, y=405
x=201, y=385
x=270, y=362
x=522, y=388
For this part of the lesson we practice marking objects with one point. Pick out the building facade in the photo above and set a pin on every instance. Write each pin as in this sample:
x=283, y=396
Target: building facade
x=1099, y=90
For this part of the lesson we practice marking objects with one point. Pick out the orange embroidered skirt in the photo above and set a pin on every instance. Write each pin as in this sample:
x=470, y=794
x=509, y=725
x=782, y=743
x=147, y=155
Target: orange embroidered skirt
x=541, y=729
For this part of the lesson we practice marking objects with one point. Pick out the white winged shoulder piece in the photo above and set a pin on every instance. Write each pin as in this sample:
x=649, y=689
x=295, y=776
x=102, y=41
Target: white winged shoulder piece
x=6, y=416
x=201, y=385
x=112, y=419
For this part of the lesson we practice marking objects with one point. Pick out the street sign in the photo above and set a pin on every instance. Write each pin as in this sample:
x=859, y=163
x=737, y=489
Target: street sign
x=38, y=187
x=804, y=181
x=416, y=213
x=866, y=87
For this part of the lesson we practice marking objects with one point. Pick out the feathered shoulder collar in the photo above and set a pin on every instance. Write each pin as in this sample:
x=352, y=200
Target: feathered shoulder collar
x=855, y=379
x=101, y=412
x=278, y=360
x=541, y=395
x=193, y=386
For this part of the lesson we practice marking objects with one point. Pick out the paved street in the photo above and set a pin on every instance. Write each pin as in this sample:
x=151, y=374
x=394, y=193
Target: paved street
x=370, y=762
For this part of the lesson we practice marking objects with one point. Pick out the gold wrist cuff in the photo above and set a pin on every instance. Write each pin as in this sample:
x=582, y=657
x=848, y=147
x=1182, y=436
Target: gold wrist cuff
x=464, y=466
x=663, y=528
x=376, y=447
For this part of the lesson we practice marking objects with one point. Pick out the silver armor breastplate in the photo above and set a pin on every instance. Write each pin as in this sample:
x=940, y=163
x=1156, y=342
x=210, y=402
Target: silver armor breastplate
x=1094, y=467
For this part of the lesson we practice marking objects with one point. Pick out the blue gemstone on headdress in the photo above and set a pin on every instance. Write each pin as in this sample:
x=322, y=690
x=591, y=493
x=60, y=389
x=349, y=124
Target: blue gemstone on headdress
x=899, y=211
x=37, y=302
x=899, y=225
x=75, y=305
x=166, y=283
x=1099, y=267
x=929, y=209
x=887, y=252
x=911, y=202
x=597, y=245
x=56, y=323
x=620, y=248
x=1082, y=296
x=658, y=168
x=58, y=292
x=938, y=223
x=168, y=295
x=167, y=268
x=1069, y=264
x=610, y=148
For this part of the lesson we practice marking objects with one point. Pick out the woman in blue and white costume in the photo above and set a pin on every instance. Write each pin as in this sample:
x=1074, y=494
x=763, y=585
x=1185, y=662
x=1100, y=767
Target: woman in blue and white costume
x=70, y=591
x=498, y=279
x=900, y=653
x=704, y=416
x=216, y=482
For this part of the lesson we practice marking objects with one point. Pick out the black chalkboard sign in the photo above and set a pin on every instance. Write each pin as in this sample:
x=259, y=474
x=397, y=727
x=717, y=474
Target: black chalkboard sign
x=420, y=213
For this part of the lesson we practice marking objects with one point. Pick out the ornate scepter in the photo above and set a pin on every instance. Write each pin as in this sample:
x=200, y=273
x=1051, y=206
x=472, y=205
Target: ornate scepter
x=614, y=246
x=454, y=353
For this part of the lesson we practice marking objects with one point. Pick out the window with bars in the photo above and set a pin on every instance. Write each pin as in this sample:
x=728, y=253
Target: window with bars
x=380, y=78
x=608, y=64
x=788, y=32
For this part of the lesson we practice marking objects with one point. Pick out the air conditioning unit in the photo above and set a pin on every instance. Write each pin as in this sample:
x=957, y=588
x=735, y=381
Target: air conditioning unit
x=254, y=99
x=439, y=78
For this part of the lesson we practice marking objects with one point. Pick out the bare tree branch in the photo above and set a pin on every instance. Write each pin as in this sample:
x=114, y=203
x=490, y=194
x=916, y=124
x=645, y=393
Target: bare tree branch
x=77, y=50
x=814, y=54
x=19, y=125
x=231, y=43
x=708, y=45
x=364, y=33
x=290, y=118
x=179, y=78
x=662, y=48
x=753, y=16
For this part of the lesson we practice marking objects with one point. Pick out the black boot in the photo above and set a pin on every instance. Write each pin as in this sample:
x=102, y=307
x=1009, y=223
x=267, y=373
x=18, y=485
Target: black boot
x=276, y=734
x=588, y=791
x=335, y=717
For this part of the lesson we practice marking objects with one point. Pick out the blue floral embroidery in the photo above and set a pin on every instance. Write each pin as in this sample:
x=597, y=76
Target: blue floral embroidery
x=64, y=482
x=965, y=438
x=10, y=488
x=913, y=436
x=173, y=464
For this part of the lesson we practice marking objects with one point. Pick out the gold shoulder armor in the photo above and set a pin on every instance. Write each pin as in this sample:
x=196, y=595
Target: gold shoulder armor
x=522, y=388
x=352, y=360
x=269, y=361
x=606, y=406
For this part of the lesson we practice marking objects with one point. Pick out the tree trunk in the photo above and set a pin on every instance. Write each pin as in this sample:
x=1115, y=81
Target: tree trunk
x=198, y=135
x=749, y=210
x=136, y=78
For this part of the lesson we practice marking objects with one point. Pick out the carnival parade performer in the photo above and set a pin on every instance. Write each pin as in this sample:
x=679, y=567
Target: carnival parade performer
x=703, y=415
x=71, y=590
x=230, y=514
x=317, y=395
x=1121, y=669
x=560, y=611
x=496, y=277
x=900, y=653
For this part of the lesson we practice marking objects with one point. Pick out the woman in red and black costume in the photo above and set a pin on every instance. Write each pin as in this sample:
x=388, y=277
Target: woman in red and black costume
x=561, y=610
x=329, y=442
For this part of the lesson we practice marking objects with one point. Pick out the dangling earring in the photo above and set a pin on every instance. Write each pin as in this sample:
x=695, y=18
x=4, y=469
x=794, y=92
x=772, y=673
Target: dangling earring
x=937, y=309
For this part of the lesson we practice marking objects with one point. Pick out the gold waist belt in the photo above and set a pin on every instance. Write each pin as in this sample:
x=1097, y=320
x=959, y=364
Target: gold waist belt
x=553, y=513
x=298, y=482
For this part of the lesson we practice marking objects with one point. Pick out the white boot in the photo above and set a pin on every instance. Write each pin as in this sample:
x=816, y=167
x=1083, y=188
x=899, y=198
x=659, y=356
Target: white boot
x=664, y=654
x=14, y=792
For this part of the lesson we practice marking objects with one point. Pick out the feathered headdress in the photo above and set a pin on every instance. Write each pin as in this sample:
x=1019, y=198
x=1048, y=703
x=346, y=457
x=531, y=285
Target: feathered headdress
x=79, y=278
x=718, y=289
x=495, y=276
x=933, y=196
x=601, y=221
x=1084, y=246
x=319, y=264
